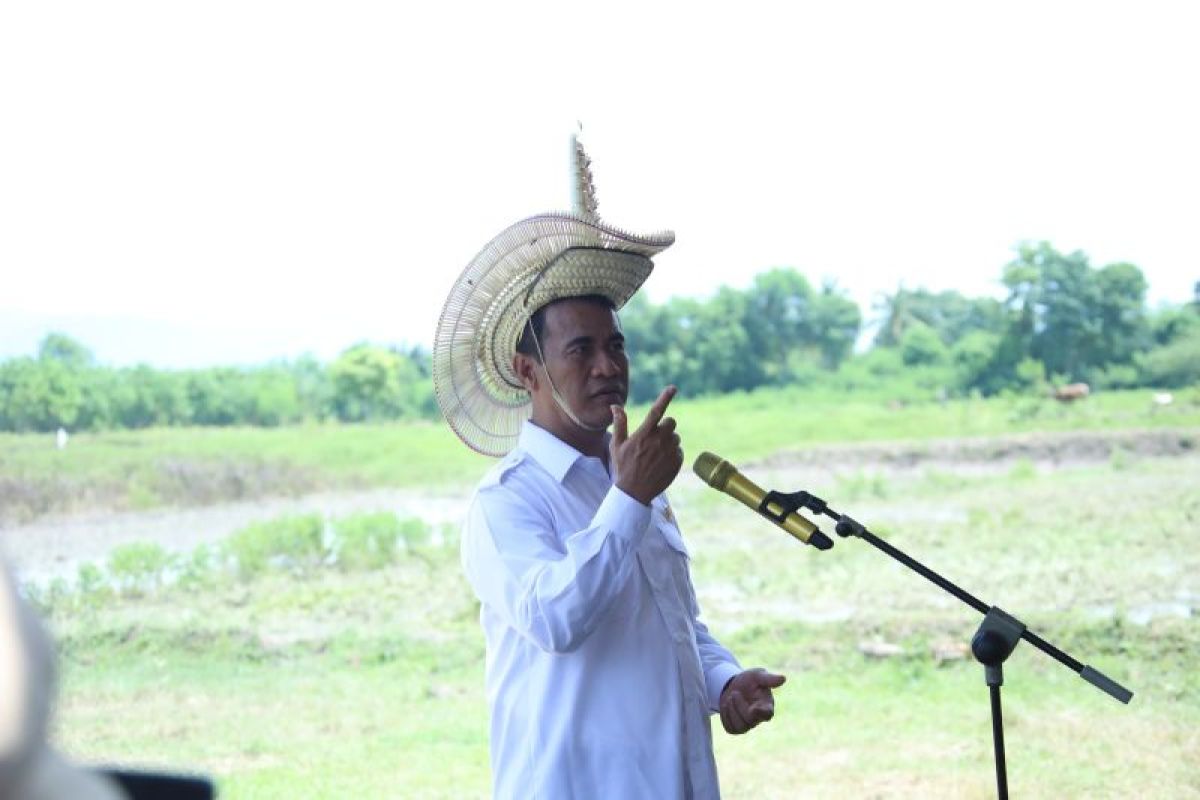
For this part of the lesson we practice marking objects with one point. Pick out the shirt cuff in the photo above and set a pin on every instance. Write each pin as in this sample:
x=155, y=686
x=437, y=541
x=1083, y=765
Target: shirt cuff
x=623, y=515
x=715, y=680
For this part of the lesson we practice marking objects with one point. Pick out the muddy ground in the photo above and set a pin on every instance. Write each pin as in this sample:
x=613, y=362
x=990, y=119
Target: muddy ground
x=1054, y=449
x=55, y=546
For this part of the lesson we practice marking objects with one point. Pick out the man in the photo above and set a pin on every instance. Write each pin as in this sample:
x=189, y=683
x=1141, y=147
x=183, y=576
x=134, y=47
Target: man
x=600, y=675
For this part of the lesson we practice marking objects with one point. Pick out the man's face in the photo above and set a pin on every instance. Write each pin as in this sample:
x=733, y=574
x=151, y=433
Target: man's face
x=585, y=356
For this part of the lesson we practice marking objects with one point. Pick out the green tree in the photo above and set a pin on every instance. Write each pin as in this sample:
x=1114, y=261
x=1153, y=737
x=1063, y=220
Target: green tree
x=314, y=387
x=148, y=397
x=893, y=314
x=421, y=400
x=1169, y=324
x=215, y=395
x=1121, y=307
x=46, y=393
x=38, y=395
x=790, y=324
x=779, y=319
x=1173, y=365
x=65, y=350
x=658, y=339
x=921, y=346
x=369, y=383
x=836, y=320
x=723, y=347
x=272, y=397
x=950, y=314
x=975, y=362
x=772, y=332
x=101, y=389
x=1073, y=318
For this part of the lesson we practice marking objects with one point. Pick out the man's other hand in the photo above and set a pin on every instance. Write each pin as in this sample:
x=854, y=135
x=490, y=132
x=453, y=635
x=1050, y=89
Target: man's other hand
x=645, y=462
x=747, y=700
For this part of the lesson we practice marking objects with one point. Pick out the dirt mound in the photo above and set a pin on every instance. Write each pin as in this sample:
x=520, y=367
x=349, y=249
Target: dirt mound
x=172, y=483
x=1050, y=448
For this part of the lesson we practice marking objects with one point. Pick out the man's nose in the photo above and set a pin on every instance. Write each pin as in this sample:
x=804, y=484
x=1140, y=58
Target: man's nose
x=605, y=365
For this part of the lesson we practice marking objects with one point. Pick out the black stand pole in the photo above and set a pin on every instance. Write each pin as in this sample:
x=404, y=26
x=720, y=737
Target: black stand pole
x=998, y=738
x=992, y=644
x=998, y=634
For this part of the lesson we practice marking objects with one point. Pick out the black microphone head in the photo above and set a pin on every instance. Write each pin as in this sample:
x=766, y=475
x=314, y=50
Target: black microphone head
x=713, y=470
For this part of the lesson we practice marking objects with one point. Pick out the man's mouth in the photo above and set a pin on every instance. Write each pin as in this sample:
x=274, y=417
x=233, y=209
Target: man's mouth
x=611, y=394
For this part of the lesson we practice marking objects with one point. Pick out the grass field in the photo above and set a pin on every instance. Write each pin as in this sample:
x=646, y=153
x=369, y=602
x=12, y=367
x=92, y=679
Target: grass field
x=330, y=683
x=153, y=468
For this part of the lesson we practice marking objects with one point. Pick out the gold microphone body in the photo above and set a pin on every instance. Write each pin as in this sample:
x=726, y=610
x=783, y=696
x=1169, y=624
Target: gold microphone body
x=720, y=474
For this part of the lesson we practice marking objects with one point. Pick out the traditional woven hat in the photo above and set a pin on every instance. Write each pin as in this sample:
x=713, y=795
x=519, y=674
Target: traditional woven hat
x=541, y=259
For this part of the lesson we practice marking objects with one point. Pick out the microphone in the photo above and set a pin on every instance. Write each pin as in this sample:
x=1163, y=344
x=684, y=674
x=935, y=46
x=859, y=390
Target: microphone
x=723, y=476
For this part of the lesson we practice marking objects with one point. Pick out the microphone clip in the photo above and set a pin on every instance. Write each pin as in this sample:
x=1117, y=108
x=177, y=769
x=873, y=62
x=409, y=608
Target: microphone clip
x=789, y=503
x=793, y=501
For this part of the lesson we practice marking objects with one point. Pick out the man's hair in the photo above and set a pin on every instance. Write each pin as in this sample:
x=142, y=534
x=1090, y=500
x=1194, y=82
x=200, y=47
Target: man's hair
x=537, y=322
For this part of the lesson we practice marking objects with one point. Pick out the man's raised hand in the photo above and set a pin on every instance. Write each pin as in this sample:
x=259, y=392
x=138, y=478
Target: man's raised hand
x=645, y=462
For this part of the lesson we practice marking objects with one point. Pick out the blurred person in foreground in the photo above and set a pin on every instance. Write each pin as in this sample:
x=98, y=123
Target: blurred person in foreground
x=600, y=675
x=29, y=768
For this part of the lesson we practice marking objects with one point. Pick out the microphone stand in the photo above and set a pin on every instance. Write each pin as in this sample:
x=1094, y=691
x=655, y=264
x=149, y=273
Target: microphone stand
x=993, y=642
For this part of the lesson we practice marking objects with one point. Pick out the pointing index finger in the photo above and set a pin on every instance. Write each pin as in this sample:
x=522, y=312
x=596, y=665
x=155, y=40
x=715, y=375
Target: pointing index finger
x=659, y=408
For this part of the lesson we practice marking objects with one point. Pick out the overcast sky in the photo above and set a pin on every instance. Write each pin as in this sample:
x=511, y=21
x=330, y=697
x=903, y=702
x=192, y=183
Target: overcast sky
x=228, y=182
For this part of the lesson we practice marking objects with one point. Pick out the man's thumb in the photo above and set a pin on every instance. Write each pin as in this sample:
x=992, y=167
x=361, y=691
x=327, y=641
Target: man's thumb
x=770, y=679
x=620, y=425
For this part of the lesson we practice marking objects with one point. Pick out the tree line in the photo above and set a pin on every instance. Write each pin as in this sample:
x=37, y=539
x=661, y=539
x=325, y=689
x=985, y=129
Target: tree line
x=63, y=386
x=1062, y=320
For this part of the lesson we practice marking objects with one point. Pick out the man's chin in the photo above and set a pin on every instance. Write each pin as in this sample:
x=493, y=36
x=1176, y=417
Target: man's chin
x=599, y=421
x=600, y=414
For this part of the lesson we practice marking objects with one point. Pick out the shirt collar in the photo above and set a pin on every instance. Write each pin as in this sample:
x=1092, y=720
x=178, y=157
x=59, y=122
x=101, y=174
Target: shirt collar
x=553, y=454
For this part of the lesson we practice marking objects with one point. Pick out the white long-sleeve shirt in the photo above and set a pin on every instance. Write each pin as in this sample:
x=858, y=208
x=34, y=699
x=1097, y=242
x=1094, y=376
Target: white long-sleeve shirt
x=600, y=676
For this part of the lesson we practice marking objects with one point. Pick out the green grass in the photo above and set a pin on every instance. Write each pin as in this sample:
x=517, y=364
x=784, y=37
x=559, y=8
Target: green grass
x=740, y=426
x=339, y=724
x=188, y=466
x=332, y=684
x=152, y=468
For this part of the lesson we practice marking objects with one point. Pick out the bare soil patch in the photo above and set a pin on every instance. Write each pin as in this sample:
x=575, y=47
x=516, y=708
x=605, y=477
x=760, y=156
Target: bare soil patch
x=56, y=545
x=1057, y=449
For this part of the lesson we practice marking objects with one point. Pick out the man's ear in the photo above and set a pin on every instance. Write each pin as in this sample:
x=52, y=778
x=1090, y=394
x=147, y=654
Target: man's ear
x=526, y=368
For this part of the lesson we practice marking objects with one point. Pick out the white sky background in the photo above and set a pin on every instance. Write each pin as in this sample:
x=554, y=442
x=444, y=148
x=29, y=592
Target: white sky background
x=228, y=182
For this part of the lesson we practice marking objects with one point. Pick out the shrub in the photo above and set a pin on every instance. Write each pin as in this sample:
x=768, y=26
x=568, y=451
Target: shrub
x=1115, y=376
x=414, y=532
x=367, y=541
x=197, y=568
x=138, y=566
x=294, y=541
x=1173, y=366
x=920, y=344
x=90, y=579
